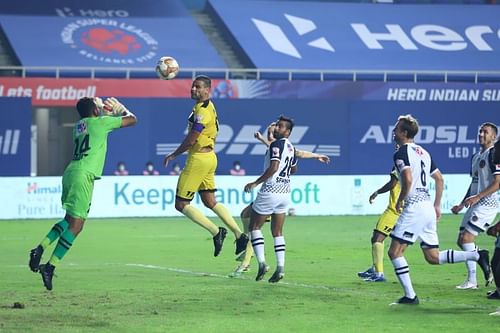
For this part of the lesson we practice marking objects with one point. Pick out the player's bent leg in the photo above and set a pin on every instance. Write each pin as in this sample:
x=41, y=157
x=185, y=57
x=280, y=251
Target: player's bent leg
x=197, y=217
x=219, y=240
x=35, y=258
x=402, y=271
x=36, y=254
x=47, y=273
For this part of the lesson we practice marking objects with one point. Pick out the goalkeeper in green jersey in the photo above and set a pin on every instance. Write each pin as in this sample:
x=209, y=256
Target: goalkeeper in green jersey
x=90, y=135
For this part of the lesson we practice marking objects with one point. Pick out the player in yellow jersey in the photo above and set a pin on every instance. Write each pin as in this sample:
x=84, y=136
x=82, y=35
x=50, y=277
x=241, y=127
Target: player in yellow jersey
x=90, y=135
x=383, y=228
x=198, y=174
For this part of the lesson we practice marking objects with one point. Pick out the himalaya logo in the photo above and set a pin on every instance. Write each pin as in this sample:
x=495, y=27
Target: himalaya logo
x=9, y=142
x=279, y=42
x=34, y=188
x=244, y=142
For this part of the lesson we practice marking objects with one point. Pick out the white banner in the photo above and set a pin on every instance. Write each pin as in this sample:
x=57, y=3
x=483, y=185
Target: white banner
x=154, y=196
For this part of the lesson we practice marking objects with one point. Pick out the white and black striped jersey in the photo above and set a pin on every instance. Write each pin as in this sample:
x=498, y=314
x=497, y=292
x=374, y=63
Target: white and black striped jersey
x=483, y=172
x=283, y=151
x=422, y=167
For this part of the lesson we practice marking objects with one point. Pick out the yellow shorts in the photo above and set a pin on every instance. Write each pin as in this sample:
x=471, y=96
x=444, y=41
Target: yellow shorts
x=387, y=221
x=198, y=175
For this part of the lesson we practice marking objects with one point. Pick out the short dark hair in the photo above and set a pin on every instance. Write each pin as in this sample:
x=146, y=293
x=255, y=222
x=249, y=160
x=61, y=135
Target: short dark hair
x=289, y=121
x=205, y=79
x=85, y=106
x=490, y=125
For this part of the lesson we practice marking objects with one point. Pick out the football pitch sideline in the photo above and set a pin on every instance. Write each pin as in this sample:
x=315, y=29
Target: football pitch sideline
x=159, y=275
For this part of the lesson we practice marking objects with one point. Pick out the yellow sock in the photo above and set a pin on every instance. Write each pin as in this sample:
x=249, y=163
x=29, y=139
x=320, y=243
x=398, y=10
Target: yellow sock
x=248, y=254
x=54, y=260
x=197, y=217
x=226, y=217
x=378, y=256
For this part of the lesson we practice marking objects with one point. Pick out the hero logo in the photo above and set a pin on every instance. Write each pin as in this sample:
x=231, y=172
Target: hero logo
x=66, y=11
x=245, y=143
x=9, y=142
x=432, y=36
x=279, y=42
x=445, y=134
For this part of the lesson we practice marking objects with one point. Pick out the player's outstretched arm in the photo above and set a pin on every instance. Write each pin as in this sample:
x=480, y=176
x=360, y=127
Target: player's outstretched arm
x=261, y=138
x=308, y=154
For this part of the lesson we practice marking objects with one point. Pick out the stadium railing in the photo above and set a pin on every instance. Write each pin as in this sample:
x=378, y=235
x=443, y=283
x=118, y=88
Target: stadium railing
x=257, y=74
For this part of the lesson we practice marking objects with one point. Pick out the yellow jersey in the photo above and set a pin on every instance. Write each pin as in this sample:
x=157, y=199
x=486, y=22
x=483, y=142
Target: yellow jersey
x=394, y=193
x=203, y=118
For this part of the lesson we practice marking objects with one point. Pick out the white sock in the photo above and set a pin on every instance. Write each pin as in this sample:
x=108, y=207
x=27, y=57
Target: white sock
x=452, y=256
x=403, y=274
x=258, y=245
x=279, y=250
x=471, y=264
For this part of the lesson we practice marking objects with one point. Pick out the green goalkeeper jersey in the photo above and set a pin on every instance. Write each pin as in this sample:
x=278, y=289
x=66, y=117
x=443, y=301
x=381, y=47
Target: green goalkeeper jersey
x=90, y=136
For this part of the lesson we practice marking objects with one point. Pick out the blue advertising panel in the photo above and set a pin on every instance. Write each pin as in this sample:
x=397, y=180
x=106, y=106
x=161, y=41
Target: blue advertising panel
x=356, y=134
x=95, y=8
x=108, y=42
x=321, y=35
x=162, y=123
x=447, y=130
x=15, y=136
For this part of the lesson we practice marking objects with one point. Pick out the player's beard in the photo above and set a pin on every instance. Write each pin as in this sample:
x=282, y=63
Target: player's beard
x=277, y=135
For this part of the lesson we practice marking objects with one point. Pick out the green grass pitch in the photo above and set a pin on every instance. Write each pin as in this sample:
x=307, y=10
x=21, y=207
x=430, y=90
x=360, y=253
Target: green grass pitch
x=159, y=275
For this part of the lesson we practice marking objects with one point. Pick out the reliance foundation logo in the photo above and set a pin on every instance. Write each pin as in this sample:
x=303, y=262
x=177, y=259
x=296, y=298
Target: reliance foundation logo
x=110, y=41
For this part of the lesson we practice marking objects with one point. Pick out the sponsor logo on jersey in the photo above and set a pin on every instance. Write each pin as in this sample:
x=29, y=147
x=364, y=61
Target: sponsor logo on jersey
x=81, y=128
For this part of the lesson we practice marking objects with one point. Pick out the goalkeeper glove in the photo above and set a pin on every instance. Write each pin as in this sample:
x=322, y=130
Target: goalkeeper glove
x=99, y=105
x=114, y=107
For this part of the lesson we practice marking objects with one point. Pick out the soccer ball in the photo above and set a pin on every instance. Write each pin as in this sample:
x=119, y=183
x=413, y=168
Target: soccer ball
x=167, y=68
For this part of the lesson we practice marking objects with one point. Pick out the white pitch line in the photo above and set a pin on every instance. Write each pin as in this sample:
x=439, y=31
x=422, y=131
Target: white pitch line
x=304, y=285
x=291, y=284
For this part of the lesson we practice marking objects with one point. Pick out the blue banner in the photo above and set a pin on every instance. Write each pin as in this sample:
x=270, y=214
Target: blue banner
x=108, y=42
x=95, y=8
x=337, y=36
x=15, y=136
x=356, y=134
